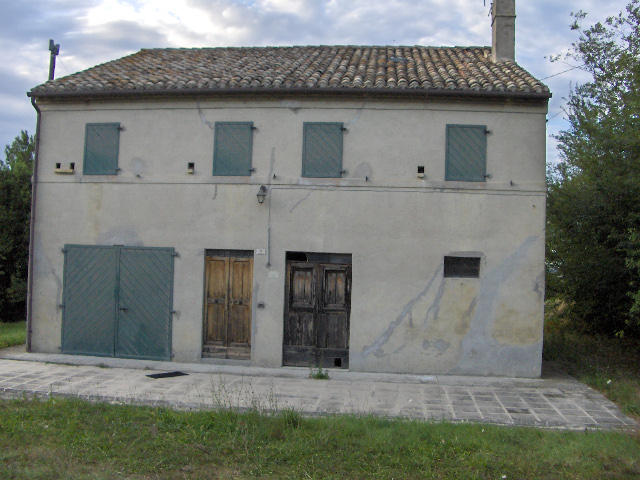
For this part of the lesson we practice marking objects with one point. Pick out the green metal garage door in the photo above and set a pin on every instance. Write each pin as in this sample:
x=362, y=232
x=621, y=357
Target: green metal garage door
x=118, y=301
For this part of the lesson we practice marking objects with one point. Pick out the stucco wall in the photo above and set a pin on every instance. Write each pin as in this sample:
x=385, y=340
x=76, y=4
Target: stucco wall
x=405, y=317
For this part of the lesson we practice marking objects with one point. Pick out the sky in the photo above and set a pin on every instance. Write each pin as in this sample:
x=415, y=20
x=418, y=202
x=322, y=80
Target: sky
x=91, y=32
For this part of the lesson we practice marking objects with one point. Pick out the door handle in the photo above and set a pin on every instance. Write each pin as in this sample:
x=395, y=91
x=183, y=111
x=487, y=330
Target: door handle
x=124, y=309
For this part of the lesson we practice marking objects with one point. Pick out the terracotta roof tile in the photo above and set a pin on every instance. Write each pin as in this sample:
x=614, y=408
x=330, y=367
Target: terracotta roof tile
x=325, y=67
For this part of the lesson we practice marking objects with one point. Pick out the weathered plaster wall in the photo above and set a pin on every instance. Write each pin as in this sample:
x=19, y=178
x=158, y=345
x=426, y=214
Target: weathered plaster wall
x=405, y=317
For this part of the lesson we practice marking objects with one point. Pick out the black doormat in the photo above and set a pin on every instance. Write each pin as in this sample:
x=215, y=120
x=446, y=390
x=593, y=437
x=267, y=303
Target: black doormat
x=167, y=375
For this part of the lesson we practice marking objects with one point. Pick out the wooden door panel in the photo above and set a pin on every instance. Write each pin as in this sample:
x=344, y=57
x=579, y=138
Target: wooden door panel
x=214, y=332
x=333, y=330
x=300, y=329
x=302, y=287
x=217, y=274
x=334, y=288
x=239, y=325
x=317, y=309
x=240, y=286
x=229, y=286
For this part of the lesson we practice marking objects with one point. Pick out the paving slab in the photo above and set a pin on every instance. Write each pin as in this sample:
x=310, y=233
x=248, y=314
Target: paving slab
x=554, y=402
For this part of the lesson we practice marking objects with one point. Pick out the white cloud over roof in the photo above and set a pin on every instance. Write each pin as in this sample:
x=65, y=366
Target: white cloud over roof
x=96, y=31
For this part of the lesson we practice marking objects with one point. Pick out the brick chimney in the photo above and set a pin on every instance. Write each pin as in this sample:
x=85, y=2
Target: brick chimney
x=503, y=24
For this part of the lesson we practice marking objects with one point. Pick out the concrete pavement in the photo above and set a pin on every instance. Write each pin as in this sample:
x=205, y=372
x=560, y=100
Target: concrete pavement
x=554, y=401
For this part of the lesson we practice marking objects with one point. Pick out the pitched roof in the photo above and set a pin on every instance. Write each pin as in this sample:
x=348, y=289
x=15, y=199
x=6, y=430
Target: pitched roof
x=339, y=69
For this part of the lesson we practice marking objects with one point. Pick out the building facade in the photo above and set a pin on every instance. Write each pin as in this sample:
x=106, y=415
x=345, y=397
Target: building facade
x=380, y=209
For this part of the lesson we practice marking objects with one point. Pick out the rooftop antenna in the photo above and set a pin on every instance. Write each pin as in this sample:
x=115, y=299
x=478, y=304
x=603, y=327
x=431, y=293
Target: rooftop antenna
x=55, y=50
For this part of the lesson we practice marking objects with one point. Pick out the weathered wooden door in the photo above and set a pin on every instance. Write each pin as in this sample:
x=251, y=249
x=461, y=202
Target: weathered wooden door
x=228, y=292
x=317, y=309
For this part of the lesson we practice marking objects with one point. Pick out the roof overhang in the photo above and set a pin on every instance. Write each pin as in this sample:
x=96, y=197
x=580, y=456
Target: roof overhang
x=408, y=93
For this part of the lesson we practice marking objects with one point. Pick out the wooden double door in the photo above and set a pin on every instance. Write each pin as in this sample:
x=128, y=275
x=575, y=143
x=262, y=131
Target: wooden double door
x=228, y=293
x=117, y=301
x=317, y=310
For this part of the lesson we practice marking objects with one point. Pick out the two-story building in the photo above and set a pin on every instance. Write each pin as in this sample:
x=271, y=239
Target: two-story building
x=380, y=209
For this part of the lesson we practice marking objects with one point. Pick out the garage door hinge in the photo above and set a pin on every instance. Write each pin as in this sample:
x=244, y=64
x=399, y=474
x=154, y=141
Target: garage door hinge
x=61, y=305
x=173, y=312
x=64, y=249
x=175, y=254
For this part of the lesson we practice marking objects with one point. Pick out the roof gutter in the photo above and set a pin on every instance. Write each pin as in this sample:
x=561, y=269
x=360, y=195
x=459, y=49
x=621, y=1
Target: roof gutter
x=32, y=224
x=292, y=91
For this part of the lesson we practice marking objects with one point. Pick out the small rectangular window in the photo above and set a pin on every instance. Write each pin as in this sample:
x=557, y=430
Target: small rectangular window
x=322, y=150
x=233, y=148
x=101, y=146
x=466, y=153
x=462, y=267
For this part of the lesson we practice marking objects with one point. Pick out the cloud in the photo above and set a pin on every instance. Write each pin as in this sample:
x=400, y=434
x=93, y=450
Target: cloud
x=96, y=31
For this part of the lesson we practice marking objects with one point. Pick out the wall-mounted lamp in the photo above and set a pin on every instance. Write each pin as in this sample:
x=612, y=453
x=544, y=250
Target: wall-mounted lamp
x=262, y=194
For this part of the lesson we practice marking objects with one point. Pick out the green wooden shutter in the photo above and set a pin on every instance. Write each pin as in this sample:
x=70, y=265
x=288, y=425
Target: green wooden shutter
x=101, y=146
x=145, y=302
x=322, y=150
x=233, y=146
x=89, y=300
x=466, y=155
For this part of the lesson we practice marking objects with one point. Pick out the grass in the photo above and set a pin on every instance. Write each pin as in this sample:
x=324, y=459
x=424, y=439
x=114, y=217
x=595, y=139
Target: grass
x=12, y=334
x=610, y=365
x=69, y=439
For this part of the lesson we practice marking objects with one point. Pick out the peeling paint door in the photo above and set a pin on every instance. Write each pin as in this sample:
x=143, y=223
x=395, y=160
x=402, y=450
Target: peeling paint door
x=228, y=293
x=317, y=309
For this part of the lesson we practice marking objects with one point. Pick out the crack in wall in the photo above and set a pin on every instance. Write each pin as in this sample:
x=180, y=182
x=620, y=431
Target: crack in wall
x=203, y=119
x=215, y=192
x=300, y=201
x=358, y=115
x=376, y=347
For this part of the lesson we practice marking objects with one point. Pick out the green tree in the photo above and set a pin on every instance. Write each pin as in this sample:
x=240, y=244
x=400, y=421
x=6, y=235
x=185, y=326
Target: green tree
x=15, y=209
x=594, y=192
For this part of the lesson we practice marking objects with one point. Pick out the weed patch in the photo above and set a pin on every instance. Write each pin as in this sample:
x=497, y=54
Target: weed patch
x=318, y=374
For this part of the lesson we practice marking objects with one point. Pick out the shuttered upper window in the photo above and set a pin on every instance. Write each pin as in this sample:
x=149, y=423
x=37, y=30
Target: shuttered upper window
x=466, y=155
x=233, y=146
x=322, y=150
x=101, y=145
